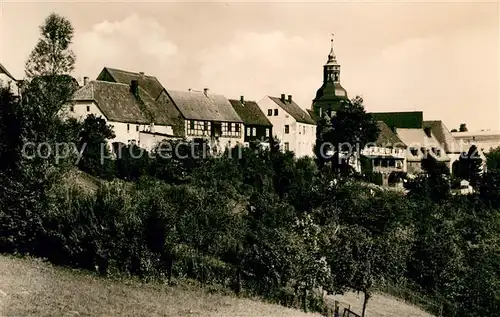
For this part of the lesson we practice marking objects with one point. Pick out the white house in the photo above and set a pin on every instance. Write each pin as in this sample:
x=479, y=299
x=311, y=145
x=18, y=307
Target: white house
x=135, y=116
x=485, y=141
x=293, y=127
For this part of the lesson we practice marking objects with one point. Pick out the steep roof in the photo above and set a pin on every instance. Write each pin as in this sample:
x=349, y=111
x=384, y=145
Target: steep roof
x=250, y=113
x=118, y=103
x=443, y=135
x=404, y=120
x=6, y=72
x=387, y=137
x=313, y=115
x=196, y=105
x=149, y=83
x=294, y=110
x=417, y=138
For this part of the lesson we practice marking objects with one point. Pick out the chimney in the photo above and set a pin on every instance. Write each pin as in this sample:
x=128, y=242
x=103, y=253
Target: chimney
x=134, y=87
x=85, y=81
x=205, y=91
x=289, y=98
x=242, y=100
x=282, y=98
x=141, y=74
x=189, y=89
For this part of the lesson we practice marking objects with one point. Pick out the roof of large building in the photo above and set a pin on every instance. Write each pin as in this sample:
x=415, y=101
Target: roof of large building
x=118, y=103
x=443, y=135
x=149, y=83
x=387, y=137
x=403, y=120
x=294, y=110
x=250, y=113
x=6, y=72
x=196, y=105
x=418, y=139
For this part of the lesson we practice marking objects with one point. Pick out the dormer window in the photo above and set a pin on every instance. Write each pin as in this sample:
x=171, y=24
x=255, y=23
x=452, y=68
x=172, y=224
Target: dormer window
x=275, y=112
x=414, y=152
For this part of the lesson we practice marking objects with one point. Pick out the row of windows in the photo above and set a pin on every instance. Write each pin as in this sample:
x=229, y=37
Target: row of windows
x=253, y=132
x=387, y=163
x=270, y=112
x=201, y=128
x=436, y=151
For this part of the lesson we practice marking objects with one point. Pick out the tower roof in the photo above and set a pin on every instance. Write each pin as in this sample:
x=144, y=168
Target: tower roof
x=332, y=58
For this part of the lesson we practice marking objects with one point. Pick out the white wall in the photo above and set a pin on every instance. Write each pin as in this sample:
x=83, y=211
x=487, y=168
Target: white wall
x=125, y=132
x=6, y=81
x=301, y=144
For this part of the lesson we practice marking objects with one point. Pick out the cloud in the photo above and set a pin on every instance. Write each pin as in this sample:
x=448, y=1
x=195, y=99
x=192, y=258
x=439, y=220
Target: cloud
x=135, y=43
x=258, y=64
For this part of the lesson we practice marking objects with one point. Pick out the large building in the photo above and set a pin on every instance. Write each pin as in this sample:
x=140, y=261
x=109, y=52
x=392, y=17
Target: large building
x=484, y=140
x=293, y=127
x=135, y=116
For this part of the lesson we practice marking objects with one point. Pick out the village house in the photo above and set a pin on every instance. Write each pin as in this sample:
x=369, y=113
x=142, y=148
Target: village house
x=293, y=127
x=208, y=116
x=257, y=127
x=419, y=139
x=485, y=141
x=135, y=116
x=387, y=155
x=446, y=139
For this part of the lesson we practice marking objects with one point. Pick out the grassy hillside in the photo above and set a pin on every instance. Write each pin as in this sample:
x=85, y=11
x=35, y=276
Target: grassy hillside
x=32, y=288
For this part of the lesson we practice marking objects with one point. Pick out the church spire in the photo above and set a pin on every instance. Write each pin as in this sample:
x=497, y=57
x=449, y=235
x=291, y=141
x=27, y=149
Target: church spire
x=331, y=56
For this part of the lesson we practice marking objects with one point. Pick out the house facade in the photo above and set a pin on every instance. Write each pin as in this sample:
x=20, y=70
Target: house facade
x=293, y=127
x=484, y=140
x=134, y=115
x=387, y=155
x=208, y=116
x=256, y=126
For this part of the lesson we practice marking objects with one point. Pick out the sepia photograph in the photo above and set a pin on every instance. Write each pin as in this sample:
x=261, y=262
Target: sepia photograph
x=250, y=158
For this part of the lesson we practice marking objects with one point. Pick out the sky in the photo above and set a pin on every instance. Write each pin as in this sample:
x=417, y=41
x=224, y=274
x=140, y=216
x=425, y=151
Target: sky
x=441, y=58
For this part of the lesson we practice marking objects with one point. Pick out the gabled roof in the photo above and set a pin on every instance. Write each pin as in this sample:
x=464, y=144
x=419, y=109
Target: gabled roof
x=387, y=137
x=119, y=104
x=294, y=110
x=417, y=138
x=6, y=72
x=250, y=113
x=443, y=135
x=195, y=105
x=403, y=120
x=313, y=115
x=149, y=83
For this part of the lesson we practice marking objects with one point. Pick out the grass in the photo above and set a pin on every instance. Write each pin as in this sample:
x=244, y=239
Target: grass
x=30, y=287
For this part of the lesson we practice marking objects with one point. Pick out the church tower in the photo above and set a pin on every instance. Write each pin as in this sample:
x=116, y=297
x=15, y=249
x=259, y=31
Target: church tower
x=331, y=93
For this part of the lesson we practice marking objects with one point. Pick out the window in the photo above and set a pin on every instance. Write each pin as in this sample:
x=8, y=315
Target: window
x=137, y=128
x=392, y=163
x=269, y=112
x=267, y=132
x=275, y=112
x=191, y=124
x=227, y=131
x=128, y=127
x=438, y=152
x=205, y=126
x=304, y=129
x=236, y=127
x=287, y=129
x=414, y=151
x=88, y=108
x=198, y=128
x=72, y=108
x=230, y=127
x=254, y=131
x=287, y=146
x=248, y=131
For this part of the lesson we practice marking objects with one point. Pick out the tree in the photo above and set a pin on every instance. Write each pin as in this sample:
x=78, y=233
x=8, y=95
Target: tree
x=493, y=159
x=351, y=130
x=463, y=127
x=51, y=55
x=93, y=142
x=469, y=166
